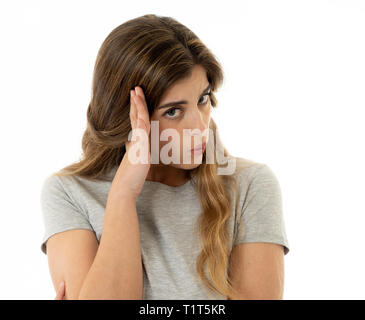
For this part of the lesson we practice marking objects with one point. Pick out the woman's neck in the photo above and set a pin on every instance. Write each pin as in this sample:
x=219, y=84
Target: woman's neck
x=167, y=175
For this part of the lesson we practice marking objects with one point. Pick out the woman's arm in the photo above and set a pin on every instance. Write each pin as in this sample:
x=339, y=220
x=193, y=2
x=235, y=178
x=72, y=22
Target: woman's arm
x=70, y=256
x=257, y=271
x=116, y=272
x=112, y=269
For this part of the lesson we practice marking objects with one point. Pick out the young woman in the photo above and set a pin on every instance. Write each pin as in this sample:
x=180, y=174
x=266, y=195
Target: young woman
x=120, y=229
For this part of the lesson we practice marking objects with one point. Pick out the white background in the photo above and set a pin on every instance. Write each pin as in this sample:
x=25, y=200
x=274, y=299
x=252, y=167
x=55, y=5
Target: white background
x=293, y=98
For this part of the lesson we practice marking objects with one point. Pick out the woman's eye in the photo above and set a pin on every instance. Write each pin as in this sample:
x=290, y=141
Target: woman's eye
x=170, y=112
x=207, y=98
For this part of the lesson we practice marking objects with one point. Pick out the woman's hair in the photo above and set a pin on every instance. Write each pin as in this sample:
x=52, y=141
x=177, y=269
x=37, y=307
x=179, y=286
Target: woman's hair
x=153, y=52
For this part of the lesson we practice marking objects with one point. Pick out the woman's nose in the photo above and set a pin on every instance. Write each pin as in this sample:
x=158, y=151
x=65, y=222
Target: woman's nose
x=197, y=128
x=197, y=121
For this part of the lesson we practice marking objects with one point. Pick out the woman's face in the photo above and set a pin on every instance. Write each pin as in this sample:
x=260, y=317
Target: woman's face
x=192, y=111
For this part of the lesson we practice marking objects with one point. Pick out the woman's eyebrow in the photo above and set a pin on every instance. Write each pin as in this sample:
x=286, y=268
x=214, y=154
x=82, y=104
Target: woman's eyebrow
x=175, y=103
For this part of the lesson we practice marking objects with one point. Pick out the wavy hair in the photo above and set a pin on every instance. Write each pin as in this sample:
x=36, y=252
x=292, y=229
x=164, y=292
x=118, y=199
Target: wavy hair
x=153, y=52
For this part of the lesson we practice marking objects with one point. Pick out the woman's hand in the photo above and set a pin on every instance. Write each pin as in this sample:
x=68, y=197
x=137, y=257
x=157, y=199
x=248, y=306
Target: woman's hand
x=130, y=176
x=60, y=295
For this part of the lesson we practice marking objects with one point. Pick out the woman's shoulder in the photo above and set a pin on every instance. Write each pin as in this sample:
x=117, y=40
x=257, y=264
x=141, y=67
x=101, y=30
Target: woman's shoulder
x=249, y=172
x=55, y=181
x=61, y=178
x=245, y=167
x=58, y=185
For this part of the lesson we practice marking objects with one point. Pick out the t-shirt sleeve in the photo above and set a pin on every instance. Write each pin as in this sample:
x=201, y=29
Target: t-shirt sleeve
x=262, y=217
x=59, y=212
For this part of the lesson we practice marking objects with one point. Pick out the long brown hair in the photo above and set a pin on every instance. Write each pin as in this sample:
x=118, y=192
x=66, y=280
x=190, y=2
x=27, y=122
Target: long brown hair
x=153, y=52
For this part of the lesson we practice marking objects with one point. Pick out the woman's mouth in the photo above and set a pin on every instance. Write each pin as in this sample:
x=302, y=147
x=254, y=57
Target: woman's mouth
x=198, y=149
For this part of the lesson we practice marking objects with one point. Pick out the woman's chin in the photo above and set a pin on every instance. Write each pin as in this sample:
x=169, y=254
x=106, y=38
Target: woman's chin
x=187, y=166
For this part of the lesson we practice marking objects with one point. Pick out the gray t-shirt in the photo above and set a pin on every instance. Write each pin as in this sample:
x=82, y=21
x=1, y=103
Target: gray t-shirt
x=167, y=220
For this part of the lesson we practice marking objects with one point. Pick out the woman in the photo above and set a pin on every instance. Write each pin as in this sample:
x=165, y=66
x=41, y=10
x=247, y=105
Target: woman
x=116, y=228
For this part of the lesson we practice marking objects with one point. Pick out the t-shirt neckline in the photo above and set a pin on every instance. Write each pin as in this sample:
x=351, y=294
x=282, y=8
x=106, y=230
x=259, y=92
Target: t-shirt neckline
x=166, y=186
x=156, y=183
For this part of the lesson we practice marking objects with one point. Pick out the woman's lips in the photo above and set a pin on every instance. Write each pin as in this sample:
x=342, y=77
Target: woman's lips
x=198, y=149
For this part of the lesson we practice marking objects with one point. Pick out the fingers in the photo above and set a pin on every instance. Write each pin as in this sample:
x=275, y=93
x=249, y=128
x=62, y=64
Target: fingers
x=61, y=291
x=132, y=110
x=142, y=113
x=140, y=92
x=138, y=113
